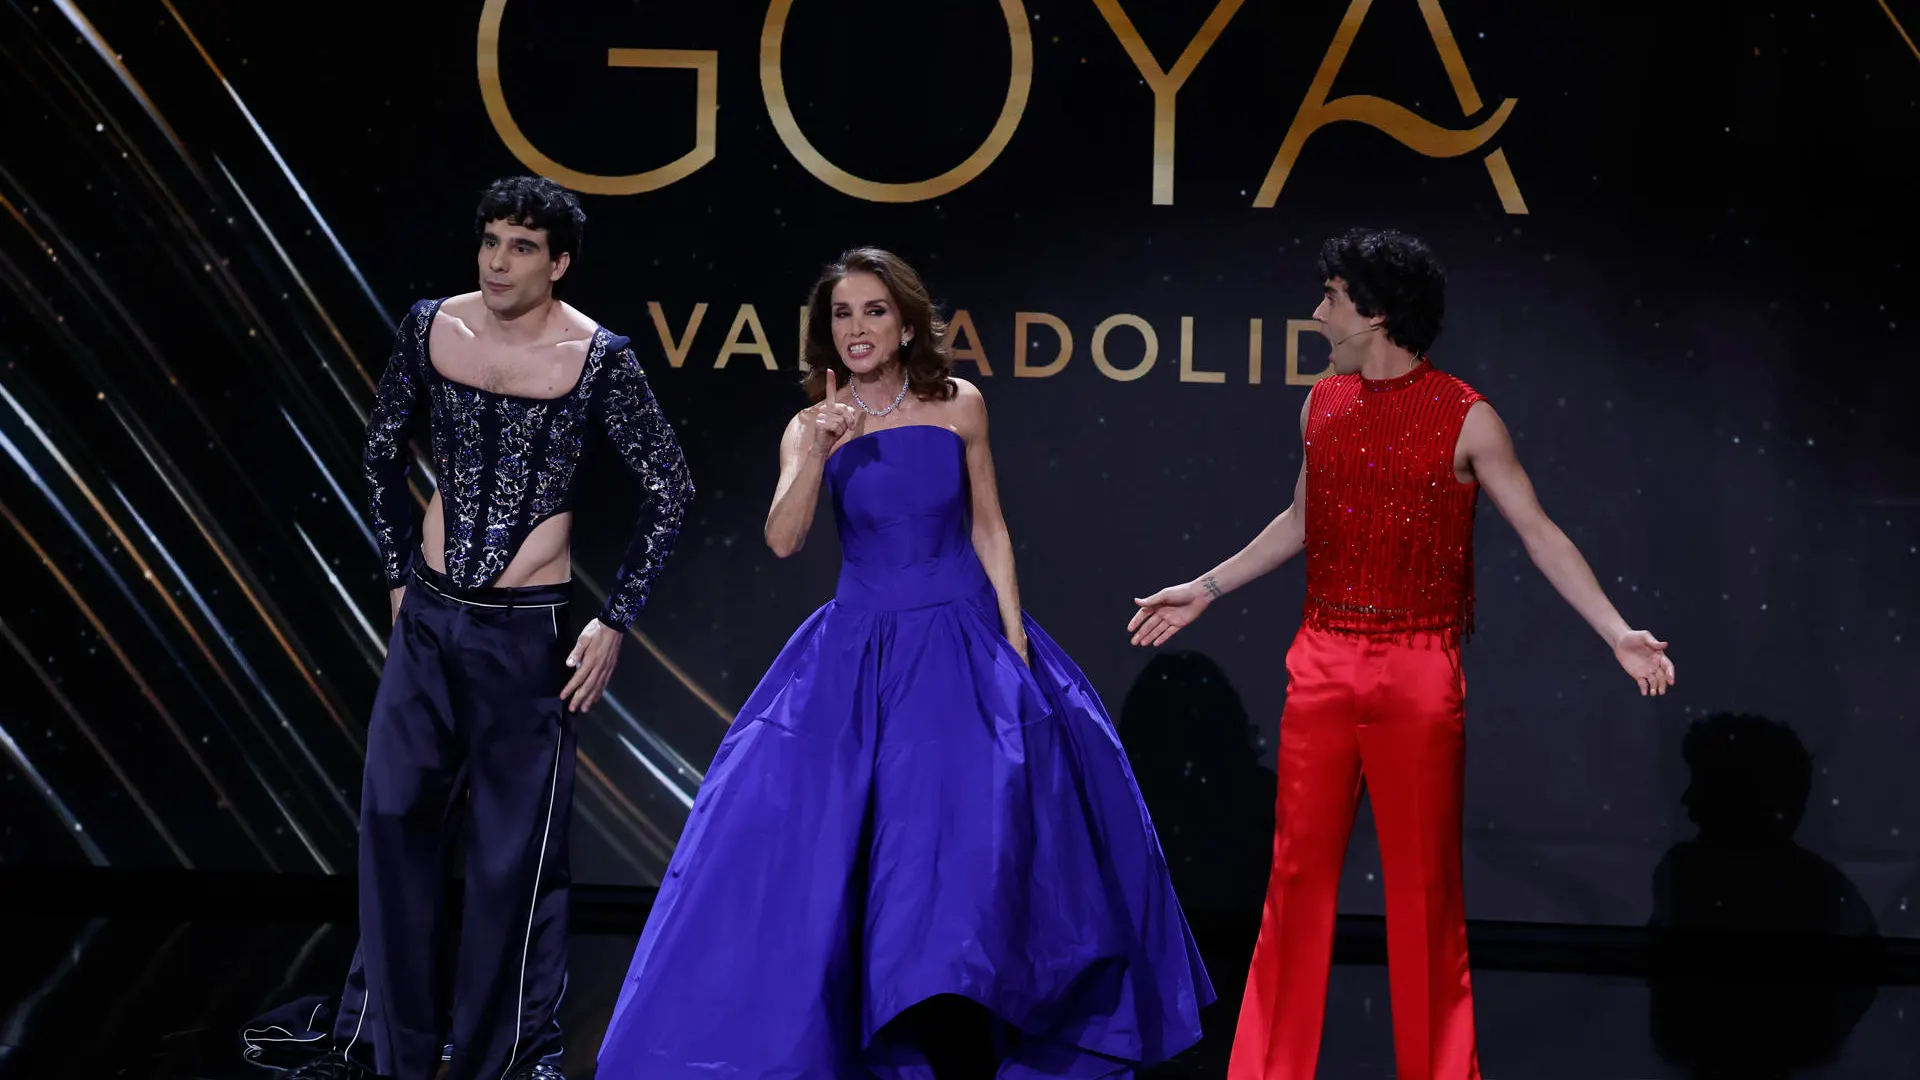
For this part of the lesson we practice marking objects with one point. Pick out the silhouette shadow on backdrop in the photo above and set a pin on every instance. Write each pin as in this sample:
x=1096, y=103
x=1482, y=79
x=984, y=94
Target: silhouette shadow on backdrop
x=1197, y=760
x=1763, y=1005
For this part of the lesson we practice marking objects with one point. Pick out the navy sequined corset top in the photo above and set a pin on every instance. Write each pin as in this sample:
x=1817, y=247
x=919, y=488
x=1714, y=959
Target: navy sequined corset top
x=505, y=464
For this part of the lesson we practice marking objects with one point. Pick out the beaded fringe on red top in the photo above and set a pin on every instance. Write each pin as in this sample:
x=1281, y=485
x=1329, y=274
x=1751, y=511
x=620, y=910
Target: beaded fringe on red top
x=1389, y=526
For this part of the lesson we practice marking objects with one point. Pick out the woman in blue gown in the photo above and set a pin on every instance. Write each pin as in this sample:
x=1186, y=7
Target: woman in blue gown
x=920, y=851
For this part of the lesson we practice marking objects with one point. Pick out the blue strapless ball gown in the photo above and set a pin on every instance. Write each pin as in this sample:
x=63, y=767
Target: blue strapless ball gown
x=903, y=810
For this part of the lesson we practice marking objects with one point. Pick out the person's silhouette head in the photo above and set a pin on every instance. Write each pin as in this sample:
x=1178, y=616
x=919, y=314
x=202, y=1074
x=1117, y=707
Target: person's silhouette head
x=1183, y=702
x=1750, y=778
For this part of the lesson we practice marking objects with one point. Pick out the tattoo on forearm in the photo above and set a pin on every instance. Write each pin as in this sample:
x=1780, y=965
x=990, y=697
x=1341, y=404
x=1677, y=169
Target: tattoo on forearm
x=1212, y=587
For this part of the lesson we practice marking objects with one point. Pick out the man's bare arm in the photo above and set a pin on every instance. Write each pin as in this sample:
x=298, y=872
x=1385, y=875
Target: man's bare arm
x=1489, y=453
x=1163, y=614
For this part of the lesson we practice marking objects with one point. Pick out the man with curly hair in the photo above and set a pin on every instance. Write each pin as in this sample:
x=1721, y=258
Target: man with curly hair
x=1396, y=455
x=473, y=727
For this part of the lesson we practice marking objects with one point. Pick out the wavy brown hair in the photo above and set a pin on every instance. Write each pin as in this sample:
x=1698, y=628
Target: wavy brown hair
x=925, y=358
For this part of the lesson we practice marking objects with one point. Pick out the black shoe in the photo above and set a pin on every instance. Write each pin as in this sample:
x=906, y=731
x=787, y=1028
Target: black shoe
x=538, y=1071
x=330, y=1068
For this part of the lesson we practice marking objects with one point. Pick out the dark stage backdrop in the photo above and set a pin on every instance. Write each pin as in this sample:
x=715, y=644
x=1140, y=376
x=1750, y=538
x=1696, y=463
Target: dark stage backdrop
x=1681, y=243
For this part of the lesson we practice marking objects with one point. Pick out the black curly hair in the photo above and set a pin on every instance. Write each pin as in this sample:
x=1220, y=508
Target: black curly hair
x=1391, y=274
x=1750, y=775
x=534, y=202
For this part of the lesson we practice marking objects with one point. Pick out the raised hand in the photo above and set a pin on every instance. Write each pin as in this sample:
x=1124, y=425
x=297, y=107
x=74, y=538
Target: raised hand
x=1645, y=658
x=832, y=419
x=1163, y=614
x=592, y=660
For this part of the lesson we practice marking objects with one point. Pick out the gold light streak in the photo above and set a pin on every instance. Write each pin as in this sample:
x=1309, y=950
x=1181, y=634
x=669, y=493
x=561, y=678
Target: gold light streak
x=698, y=691
x=652, y=836
x=127, y=545
x=102, y=293
x=21, y=220
x=160, y=362
x=629, y=815
x=359, y=411
x=100, y=47
x=133, y=673
x=657, y=842
x=180, y=616
x=212, y=264
x=600, y=788
x=585, y=811
x=288, y=172
x=1900, y=29
x=155, y=455
x=632, y=820
x=63, y=78
x=132, y=551
x=266, y=695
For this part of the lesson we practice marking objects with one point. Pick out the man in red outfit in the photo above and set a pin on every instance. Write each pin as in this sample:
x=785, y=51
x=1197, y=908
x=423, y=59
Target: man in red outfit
x=1396, y=455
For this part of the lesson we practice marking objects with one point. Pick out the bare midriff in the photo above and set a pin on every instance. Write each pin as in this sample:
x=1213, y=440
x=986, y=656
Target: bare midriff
x=545, y=556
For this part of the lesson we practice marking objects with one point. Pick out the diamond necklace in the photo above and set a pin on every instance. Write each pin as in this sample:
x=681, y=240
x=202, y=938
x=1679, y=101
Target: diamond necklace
x=897, y=398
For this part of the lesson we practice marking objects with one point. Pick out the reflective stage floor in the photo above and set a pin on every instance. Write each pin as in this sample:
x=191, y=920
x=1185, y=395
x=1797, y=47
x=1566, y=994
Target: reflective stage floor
x=152, y=976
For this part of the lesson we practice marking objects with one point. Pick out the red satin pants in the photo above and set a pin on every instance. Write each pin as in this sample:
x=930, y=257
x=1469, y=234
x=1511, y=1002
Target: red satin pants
x=1388, y=713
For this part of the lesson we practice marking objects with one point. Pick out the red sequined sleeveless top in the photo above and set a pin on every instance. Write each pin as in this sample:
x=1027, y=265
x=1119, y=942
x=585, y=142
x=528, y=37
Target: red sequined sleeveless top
x=1389, y=528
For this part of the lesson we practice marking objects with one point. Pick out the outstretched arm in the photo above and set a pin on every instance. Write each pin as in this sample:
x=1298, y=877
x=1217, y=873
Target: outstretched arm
x=1164, y=613
x=990, y=538
x=1489, y=453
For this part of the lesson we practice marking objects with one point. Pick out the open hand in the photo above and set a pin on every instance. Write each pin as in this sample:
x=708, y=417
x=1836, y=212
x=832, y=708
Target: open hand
x=1645, y=658
x=592, y=659
x=1166, y=612
x=832, y=418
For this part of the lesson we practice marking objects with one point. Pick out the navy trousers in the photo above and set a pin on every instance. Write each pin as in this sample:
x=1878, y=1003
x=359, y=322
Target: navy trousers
x=468, y=735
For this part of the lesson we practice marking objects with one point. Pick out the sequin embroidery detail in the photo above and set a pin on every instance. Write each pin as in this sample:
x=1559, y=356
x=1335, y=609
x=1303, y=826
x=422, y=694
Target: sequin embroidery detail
x=1389, y=526
x=397, y=402
x=460, y=498
x=643, y=438
x=507, y=464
